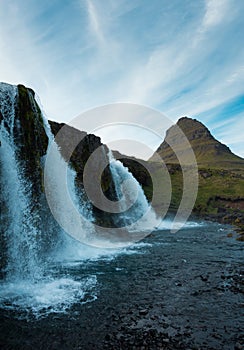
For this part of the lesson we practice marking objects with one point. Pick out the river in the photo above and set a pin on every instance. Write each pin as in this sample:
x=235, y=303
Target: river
x=169, y=291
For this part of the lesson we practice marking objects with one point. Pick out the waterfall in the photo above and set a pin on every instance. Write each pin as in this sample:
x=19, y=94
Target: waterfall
x=32, y=281
x=18, y=226
x=32, y=243
x=136, y=213
x=66, y=201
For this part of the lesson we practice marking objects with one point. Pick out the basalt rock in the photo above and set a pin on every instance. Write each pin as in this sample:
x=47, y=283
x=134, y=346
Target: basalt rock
x=86, y=145
x=30, y=137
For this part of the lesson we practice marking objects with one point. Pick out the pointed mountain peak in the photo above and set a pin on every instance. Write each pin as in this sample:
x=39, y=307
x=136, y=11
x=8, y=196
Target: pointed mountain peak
x=208, y=151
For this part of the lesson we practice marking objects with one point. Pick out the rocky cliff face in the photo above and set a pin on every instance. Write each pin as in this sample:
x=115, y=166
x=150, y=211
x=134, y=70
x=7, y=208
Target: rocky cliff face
x=85, y=148
x=88, y=144
x=29, y=135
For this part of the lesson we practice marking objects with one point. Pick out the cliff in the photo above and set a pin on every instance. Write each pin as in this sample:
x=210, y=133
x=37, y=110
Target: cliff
x=85, y=148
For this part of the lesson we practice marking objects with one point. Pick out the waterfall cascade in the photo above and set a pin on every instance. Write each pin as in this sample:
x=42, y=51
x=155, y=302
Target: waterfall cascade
x=67, y=203
x=28, y=230
x=136, y=212
x=18, y=224
x=29, y=234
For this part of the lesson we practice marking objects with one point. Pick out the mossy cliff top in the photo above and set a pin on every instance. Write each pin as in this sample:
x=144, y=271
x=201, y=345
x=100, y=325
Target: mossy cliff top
x=30, y=135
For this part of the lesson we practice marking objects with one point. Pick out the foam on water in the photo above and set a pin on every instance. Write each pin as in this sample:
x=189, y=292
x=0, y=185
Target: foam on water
x=169, y=224
x=74, y=253
x=51, y=295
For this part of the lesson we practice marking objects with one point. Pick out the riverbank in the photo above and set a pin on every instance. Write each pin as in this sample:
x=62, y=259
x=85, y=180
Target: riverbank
x=235, y=219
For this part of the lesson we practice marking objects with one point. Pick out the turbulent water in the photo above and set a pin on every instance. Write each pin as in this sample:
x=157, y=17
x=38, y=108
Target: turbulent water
x=137, y=213
x=184, y=287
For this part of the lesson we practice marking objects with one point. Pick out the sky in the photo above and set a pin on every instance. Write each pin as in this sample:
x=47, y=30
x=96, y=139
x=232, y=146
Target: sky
x=179, y=57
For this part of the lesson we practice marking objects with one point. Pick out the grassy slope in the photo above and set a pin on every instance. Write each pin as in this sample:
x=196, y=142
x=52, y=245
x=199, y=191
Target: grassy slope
x=213, y=182
x=220, y=193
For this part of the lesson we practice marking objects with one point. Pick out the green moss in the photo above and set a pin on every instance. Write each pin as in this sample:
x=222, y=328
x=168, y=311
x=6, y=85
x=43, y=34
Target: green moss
x=30, y=137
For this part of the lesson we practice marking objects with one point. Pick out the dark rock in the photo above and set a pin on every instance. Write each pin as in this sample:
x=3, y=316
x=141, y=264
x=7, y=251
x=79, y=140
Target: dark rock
x=77, y=147
x=30, y=136
x=238, y=346
x=107, y=337
x=143, y=312
x=204, y=278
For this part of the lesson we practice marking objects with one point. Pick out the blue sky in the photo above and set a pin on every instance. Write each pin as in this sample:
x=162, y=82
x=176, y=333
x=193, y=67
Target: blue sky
x=182, y=57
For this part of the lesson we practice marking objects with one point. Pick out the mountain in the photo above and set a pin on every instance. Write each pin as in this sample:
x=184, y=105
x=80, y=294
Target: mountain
x=208, y=151
x=220, y=172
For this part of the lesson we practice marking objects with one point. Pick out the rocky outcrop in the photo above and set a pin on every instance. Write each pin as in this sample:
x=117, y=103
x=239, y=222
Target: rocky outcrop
x=22, y=120
x=30, y=137
x=87, y=144
x=25, y=141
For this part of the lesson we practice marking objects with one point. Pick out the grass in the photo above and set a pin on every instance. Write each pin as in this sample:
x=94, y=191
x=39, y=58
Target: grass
x=217, y=188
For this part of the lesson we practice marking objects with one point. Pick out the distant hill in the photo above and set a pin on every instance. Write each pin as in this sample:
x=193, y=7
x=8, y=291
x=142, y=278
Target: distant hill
x=208, y=151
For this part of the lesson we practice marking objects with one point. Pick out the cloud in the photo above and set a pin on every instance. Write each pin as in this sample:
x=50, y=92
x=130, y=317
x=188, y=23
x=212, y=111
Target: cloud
x=94, y=21
x=216, y=11
x=179, y=57
x=231, y=134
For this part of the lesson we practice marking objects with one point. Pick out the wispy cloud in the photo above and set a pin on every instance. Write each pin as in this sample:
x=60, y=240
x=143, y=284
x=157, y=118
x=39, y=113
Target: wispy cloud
x=94, y=22
x=182, y=57
x=216, y=11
